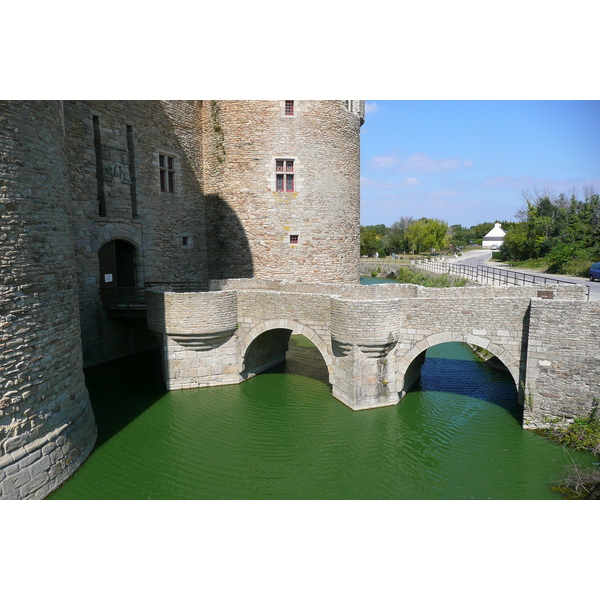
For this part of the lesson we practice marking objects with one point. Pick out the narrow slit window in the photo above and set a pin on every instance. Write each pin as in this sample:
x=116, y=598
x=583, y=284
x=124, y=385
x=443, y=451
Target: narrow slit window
x=99, y=167
x=132, y=178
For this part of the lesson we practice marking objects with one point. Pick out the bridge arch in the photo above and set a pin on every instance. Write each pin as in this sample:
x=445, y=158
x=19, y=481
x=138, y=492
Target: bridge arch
x=406, y=368
x=294, y=328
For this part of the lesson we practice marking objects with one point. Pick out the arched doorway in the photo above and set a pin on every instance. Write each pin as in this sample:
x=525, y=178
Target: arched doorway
x=121, y=294
x=118, y=260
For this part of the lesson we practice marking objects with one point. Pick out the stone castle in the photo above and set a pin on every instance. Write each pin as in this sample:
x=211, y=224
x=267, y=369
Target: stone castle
x=215, y=230
x=100, y=199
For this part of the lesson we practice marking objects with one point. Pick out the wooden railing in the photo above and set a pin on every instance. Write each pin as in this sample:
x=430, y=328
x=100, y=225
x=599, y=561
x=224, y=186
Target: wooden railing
x=130, y=302
x=124, y=301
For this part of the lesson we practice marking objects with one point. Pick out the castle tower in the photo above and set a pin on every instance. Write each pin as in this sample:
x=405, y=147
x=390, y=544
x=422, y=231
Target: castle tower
x=282, y=187
x=47, y=426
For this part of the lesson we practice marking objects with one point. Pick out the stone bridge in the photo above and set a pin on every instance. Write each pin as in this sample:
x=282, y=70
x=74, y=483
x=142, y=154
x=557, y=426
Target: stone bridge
x=373, y=339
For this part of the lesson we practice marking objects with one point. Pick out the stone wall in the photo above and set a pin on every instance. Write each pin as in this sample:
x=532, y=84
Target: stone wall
x=117, y=145
x=563, y=366
x=251, y=222
x=47, y=427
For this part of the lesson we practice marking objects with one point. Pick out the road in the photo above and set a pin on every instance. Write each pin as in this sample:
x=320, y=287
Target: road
x=482, y=257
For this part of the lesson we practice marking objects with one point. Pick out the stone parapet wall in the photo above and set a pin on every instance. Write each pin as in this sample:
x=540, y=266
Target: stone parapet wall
x=402, y=290
x=187, y=312
x=308, y=309
x=373, y=325
x=556, y=292
x=47, y=427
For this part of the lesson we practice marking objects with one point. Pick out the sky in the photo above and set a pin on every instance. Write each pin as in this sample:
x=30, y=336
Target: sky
x=468, y=162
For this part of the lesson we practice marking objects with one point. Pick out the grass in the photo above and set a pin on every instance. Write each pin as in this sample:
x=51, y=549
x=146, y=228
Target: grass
x=575, y=267
x=582, y=434
x=405, y=275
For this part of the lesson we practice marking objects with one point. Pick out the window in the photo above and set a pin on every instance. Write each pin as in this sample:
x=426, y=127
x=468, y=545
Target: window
x=167, y=173
x=284, y=175
x=99, y=167
x=289, y=107
x=293, y=239
x=131, y=153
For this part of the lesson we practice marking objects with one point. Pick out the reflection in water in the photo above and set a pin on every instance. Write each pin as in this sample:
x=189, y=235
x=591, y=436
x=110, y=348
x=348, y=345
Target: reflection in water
x=282, y=435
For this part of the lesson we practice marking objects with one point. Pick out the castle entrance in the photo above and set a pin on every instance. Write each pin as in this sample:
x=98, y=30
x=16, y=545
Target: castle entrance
x=118, y=280
x=117, y=264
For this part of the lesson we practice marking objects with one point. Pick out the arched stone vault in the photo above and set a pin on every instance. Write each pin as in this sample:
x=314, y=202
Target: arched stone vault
x=105, y=233
x=296, y=328
x=405, y=358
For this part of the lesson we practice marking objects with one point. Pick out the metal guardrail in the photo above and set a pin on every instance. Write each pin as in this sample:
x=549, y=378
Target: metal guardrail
x=493, y=275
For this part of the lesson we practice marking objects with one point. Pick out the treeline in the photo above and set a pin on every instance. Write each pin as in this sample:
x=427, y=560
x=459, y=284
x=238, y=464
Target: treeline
x=556, y=232
x=414, y=236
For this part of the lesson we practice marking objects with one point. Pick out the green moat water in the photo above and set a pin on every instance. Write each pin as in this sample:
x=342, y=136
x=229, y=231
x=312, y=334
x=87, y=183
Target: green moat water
x=282, y=435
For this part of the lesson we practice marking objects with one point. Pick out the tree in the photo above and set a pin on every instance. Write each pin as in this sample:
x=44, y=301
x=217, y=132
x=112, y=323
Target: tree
x=458, y=235
x=370, y=239
x=427, y=234
x=395, y=239
x=564, y=231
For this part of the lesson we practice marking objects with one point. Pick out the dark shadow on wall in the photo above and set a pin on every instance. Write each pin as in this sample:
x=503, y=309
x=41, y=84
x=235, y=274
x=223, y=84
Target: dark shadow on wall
x=524, y=351
x=229, y=253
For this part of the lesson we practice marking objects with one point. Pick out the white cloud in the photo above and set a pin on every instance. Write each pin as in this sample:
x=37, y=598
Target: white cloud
x=410, y=182
x=419, y=162
x=381, y=162
x=527, y=182
x=374, y=184
x=444, y=193
x=371, y=107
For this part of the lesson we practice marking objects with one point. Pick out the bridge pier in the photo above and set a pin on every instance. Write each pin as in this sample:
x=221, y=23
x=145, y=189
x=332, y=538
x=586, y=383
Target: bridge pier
x=364, y=379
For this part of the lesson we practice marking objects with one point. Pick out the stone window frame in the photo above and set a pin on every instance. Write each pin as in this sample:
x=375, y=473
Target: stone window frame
x=285, y=174
x=177, y=180
x=185, y=241
x=284, y=114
